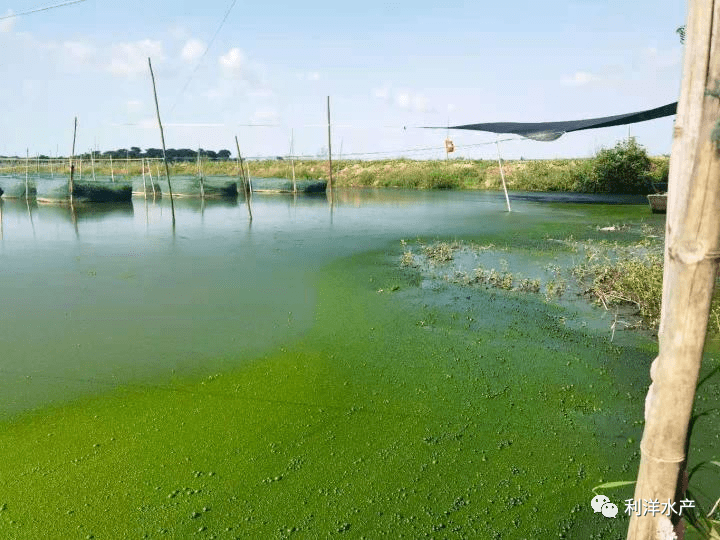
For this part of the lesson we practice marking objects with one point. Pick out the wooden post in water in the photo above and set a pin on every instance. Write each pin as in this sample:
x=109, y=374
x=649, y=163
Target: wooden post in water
x=72, y=165
x=92, y=162
x=246, y=181
x=37, y=163
x=162, y=137
x=149, y=167
x=112, y=173
x=292, y=158
x=142, y=164
x=27, y=157
x=502, y=175
x=200, y=175
x=329, y=147
x=152, y=182
x=692, y=249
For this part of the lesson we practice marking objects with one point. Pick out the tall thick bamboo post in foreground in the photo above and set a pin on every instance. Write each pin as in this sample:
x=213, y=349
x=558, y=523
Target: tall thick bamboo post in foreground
x=162, y=138
x=692, y=248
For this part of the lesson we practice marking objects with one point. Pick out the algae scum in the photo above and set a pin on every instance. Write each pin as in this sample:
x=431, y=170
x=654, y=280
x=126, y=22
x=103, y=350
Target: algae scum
x=293, y=379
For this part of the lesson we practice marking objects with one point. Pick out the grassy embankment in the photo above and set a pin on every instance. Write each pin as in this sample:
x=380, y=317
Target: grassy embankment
x=538, y=175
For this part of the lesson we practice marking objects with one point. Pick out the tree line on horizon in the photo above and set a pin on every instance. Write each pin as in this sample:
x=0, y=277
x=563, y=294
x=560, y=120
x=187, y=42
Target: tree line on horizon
x=134, y=152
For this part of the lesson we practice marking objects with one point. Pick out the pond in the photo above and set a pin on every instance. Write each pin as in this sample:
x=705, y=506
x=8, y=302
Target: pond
x=287, y=377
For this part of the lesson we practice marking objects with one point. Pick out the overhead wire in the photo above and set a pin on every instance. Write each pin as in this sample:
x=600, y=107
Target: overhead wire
x=199, y=63
x=45, y=8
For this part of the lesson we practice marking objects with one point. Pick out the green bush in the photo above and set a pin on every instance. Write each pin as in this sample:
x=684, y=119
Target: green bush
x=622, y=169
x=660, y=170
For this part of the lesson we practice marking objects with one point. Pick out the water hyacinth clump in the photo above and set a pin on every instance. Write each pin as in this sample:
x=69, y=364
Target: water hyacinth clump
x=440, y=252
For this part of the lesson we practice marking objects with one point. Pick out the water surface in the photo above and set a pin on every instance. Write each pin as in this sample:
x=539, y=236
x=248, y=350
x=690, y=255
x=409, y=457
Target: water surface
x=286, y=377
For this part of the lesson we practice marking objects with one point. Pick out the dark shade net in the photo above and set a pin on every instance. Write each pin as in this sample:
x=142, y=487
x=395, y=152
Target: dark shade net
x=549, y=131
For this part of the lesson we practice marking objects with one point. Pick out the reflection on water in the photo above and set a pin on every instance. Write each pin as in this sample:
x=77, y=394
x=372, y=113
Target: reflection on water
x=99, y=295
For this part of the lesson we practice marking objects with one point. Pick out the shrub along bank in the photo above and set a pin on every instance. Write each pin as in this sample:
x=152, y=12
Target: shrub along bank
x=626, y=168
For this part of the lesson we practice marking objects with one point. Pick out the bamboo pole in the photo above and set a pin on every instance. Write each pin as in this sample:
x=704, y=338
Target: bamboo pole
x=246, y=181
x=152, y=182
x=329, y=146
x=162, y=137
x=27, y=157
x=72, y=164
x=502, y=176
x=692, y=248
x=37, y=163
x=142, y=164
x=92, y=162
x=292, y=158
x=149, y=168
x=112, y=173
x=200, y=175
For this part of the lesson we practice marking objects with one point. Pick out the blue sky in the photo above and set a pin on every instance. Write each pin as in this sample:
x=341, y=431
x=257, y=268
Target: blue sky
x=385, y=65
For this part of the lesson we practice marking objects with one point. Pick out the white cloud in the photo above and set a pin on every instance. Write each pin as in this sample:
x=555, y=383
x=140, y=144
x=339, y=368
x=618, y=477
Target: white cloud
x=309, y=76
x=420, y=103
x=193, y=49
x=661, y=59
x=382, y=93
x=130, y=59
x=266, y=116
x=178, y=32
x=77, y=53
x=261, y=93
x=403, y=99
x=134, y=105
x=411, y=101
x=579, y=78
x=148, y=123
x=220, y=92
x=6, y=25
x=233, y=64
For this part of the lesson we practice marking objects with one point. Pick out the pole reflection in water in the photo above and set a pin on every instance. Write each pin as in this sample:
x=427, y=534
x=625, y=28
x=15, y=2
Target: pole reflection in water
x=32, y=225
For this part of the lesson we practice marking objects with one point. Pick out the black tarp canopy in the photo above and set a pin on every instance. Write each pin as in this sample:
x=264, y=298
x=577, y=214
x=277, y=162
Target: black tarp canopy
x=549, y=131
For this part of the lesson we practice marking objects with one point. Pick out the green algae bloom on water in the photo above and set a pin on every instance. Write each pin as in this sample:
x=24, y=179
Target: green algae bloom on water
x=170, y=394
